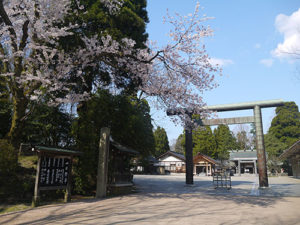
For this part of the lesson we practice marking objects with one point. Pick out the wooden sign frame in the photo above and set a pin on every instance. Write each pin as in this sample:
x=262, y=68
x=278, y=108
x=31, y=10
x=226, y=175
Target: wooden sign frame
x=54, y=171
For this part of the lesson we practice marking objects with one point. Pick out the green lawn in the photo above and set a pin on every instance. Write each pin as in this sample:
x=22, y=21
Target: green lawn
x=11, y=208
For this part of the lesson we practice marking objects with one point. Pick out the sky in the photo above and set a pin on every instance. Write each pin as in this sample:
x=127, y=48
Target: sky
x=249, y=42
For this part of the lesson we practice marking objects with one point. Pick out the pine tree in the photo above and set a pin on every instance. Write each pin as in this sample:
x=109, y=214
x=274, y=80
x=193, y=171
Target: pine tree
x=225, y=141
x=284, y=131
x=286, y=124
x=179, y=146
x=161, y=141
x=204, y=142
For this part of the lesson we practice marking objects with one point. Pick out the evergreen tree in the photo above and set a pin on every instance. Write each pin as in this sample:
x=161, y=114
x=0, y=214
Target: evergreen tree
x=49, y=126
x=95, y=19
x=204, y=142
x=225, y=141
x=130, y=123
x=180, y=142
x=286, y=124
x=284, y=131
x=161, y=141
x=274, y=147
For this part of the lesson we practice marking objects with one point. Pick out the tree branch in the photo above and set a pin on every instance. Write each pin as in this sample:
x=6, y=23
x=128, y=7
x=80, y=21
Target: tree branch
x=25, y=35
x=7, y=21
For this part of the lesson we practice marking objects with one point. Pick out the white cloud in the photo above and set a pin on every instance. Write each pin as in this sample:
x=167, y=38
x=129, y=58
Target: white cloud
x=267, y=62
x=221, y=62
x=289, y=26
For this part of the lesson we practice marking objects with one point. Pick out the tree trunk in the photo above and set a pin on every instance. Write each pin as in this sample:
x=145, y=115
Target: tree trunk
x=20, y=103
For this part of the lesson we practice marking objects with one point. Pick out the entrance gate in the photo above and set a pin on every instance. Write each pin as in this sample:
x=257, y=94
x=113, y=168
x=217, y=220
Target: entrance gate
x=256, y=119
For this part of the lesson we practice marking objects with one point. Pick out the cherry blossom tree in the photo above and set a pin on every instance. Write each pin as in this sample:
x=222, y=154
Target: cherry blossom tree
x=34, y=65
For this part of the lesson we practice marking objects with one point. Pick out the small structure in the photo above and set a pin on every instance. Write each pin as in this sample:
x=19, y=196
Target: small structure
x=172, y=161
x=54, y=170
x=119, y=174
x=245, y=161
x=204, y=164
x=113, y=173
x=293, y=155
x=222, y=178
x=145, y=165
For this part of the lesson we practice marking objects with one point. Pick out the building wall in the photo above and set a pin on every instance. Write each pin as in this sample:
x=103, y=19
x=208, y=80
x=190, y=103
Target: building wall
x=170, y=159
x=296, y=166
x=172, y=164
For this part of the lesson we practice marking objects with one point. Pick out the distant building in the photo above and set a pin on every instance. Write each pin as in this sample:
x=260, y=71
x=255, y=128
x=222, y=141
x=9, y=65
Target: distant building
x=172, y=161
x=144, y=165
x=204, y=164
x=293, y=155
x=245, y=161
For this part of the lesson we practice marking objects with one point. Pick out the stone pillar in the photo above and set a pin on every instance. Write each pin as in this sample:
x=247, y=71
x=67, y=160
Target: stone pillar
x=103, y=163
x=260, y=148
x=239, y=167
x=255, y=169
x=189, y=179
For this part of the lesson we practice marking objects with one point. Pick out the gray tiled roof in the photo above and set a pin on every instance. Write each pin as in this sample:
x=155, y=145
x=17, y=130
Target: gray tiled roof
x=243, y=154
x=175, y=154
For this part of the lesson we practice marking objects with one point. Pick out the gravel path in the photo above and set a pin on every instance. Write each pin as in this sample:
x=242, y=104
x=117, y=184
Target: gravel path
x=166, y=200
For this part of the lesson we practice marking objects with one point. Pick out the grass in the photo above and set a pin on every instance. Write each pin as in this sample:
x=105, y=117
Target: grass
x=17, y=193
x=12, y=208
x=28, y=161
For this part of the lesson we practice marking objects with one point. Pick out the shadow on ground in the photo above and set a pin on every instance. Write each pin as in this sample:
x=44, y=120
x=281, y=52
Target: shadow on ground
x=158, y=199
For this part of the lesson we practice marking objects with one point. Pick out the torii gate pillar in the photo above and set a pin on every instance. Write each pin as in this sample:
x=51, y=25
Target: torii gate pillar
x=260, y=148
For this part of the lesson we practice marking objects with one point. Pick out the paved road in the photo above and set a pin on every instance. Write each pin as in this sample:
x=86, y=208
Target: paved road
x=166, y=200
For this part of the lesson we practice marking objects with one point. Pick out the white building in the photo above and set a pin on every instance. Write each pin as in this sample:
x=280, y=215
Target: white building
x=172, y=161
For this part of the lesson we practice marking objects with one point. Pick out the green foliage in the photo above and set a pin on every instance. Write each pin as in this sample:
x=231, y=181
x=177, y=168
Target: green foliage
x=95, y=19
x=50, y=126
x=179, y=146
x=16, y=182
x=274, y=147
x=161, y=141
x=130, y=123
x=285, y=125
x=8, y=159
x=284, y=131
x=204, y=141
x=214, y=144
x=225, y=141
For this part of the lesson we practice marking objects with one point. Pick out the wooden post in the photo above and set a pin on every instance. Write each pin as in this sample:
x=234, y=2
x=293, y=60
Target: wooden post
x=189, y=180
x=36, y=197
x=68, y=189
x=103, y=163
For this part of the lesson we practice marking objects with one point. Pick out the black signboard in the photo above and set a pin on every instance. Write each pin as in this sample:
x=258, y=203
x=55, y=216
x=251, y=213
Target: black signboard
x=54, y=171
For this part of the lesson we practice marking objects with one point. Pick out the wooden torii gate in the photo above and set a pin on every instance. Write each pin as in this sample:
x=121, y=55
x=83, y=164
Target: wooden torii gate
x=256, y=119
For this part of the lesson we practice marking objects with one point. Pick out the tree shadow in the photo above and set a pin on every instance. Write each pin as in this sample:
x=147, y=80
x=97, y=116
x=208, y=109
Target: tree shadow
x=155, y=201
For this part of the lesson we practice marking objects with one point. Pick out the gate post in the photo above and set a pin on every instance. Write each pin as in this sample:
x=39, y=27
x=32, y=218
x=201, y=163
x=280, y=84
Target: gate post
x=260, y=148
x=103, y=163
x=189, y=180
